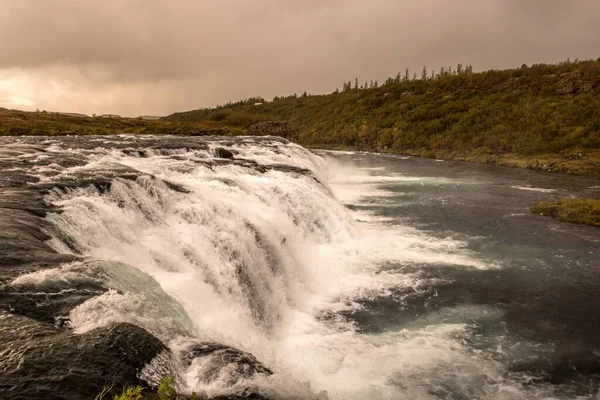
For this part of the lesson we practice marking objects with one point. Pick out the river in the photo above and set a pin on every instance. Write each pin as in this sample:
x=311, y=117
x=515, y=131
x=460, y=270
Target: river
x=269, y=271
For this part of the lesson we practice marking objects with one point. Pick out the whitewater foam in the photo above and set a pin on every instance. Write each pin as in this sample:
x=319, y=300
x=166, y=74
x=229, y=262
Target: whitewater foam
x=254, y=259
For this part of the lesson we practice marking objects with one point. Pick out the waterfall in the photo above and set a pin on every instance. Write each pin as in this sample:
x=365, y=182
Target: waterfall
x=193, y=246
x=242, y=257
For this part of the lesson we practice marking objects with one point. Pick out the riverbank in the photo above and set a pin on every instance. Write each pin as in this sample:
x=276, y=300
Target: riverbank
x=575, y=161
x=580, y=211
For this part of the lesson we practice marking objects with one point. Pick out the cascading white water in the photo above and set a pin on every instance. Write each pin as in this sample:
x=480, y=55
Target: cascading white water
x=254, y=260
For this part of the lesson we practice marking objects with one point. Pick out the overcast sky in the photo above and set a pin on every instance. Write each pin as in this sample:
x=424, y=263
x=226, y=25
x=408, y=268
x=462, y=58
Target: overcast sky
x=136, y=57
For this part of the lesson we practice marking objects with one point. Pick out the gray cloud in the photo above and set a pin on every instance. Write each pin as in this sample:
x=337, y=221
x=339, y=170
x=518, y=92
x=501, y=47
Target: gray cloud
x=159, y=56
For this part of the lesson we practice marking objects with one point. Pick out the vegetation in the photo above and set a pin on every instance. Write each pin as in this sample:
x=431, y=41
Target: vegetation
x=543, y=116
x=130, y=393
x=13, y=122
x=166, y=391
x=166, y=388
x=582, y=211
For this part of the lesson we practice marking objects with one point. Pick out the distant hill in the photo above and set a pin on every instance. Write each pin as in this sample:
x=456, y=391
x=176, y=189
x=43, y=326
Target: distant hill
x=74, y=115
x=15, y=122
x=150, y=117
x=541, y=116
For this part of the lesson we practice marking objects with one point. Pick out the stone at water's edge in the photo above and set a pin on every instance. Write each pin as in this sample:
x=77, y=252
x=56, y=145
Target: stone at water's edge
x=41, y=362
x=223, y=153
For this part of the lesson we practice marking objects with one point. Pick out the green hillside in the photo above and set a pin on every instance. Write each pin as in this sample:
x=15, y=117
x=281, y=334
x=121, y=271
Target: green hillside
x=542, y=116
x=15, y=122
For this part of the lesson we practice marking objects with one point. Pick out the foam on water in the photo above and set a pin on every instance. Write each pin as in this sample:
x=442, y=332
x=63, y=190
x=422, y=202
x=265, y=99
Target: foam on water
x=254, y=260
x=534, y=189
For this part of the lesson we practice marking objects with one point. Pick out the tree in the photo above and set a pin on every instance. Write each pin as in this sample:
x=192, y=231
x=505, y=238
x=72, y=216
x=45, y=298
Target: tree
x=459, y=68
x=424, y=73
x=406, y=75
x=356, y=83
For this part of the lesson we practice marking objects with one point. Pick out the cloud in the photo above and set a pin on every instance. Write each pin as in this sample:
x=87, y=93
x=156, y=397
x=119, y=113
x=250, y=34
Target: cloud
x=158, y=56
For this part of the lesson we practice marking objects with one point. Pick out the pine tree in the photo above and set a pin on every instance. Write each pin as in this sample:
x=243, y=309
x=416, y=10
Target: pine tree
x=424, y=73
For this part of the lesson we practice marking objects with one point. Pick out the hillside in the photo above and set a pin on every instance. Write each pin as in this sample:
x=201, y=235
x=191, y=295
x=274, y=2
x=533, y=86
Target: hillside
x=543, y=116
x=14, y=122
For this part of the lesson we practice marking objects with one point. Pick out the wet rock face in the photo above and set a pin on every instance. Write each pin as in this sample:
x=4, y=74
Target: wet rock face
x=223, y=153
x=220, y=360
x=41, y=362
x=274, y=128
x=223, y=364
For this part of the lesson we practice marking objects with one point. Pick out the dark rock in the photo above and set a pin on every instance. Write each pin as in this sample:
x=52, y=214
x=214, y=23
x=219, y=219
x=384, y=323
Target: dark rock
x=50, y=303
x=41, y=362
x=224, y=363
x=223, y=153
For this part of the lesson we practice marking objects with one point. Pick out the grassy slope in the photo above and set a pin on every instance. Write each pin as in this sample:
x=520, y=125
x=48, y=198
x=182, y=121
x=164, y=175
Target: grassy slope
x=583, y=211
x=14, y=122
x=544, y=117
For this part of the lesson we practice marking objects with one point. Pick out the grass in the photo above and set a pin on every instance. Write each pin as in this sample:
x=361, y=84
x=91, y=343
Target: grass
x=580, y=211
x=130, y=393
x=14, y=122
x=166, y=391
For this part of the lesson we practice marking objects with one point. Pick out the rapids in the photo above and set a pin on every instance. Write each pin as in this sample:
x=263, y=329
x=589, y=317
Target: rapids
x=272, y=272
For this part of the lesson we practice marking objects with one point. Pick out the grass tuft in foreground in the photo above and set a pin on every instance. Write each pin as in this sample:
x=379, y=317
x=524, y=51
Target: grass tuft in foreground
x=166, y=391
x=581, y=211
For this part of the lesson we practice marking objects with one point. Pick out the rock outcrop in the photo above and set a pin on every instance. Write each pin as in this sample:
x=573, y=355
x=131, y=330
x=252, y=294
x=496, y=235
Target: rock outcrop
x=42, y=362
